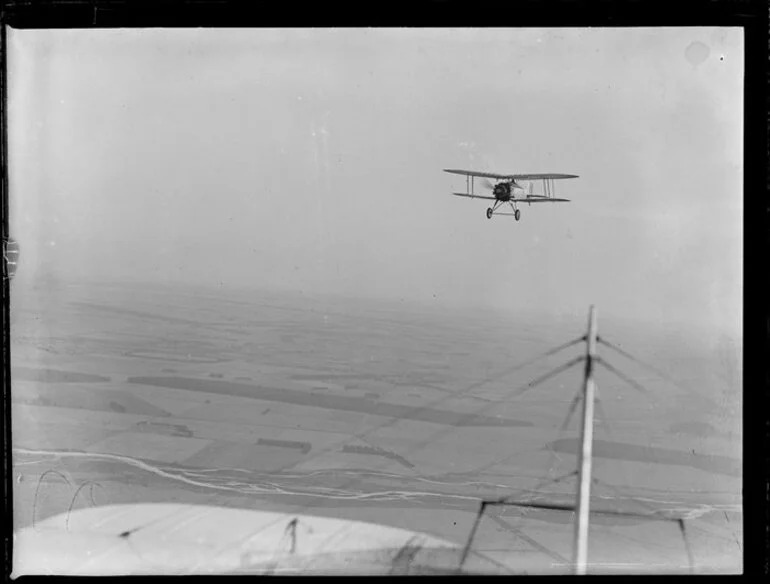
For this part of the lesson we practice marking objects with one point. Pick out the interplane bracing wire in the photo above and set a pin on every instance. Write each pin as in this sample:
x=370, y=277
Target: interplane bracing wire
x=600, y=410
x=531, y=541
x=523, y=389
x=608, y=430
x=622, y=495
x=627, y=355
x=552, y=351
x=520, y=391
x=572, y=407
x=637, y=386
x=451, y=395
x=469, y=416
x=536, y=489
x=654, y=514
x=576, y=400
x=517, y=532
x=571, y=411
x=552, y=454
x=638, y=361
x=545, y=483
x=565, y=507
x=534, y=383
x=484, y=504
x=447, y=397
x=432, y=403
x=547, y=376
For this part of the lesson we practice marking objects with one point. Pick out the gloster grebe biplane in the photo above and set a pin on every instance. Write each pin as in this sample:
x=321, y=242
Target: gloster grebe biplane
x=509, y=189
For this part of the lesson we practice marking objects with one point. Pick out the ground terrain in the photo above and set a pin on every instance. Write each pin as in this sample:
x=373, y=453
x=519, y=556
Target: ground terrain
x=393, y=413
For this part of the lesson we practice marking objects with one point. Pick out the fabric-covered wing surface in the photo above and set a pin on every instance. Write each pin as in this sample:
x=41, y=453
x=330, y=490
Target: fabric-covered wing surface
x=197, y=539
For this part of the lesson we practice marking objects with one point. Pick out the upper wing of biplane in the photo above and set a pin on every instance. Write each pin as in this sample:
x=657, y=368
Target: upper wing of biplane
x=550, y=176
x=474, y=173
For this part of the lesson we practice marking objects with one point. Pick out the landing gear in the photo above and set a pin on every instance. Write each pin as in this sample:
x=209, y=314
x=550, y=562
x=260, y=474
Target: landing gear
x=493, y=208
x=516, y=212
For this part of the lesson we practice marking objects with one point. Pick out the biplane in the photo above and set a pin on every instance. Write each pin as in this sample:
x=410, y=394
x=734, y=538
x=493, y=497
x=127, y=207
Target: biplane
x=509, y=189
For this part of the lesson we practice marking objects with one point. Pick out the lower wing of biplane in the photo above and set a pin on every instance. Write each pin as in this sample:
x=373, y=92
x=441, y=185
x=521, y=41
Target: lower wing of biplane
x=509, y=189
x=178, y=539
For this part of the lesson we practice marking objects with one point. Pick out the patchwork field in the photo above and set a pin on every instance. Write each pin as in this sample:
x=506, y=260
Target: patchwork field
x=400, y=415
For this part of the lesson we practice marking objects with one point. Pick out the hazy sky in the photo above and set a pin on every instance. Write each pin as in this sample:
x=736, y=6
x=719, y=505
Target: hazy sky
x=312, y=160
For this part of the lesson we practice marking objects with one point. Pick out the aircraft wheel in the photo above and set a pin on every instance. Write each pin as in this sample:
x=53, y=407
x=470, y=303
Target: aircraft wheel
x=517, y=214
x=489, y=213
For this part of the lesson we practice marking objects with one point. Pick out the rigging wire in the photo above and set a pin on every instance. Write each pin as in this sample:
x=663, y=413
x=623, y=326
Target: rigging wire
x=516, y=393
x=644, y=364
x=470, y=416
x=479, y=411
x=637, y=386
x=448, y=397
x=610, y=434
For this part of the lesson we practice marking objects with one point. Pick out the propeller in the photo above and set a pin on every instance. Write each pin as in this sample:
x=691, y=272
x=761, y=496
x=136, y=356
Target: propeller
x=488, y=184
